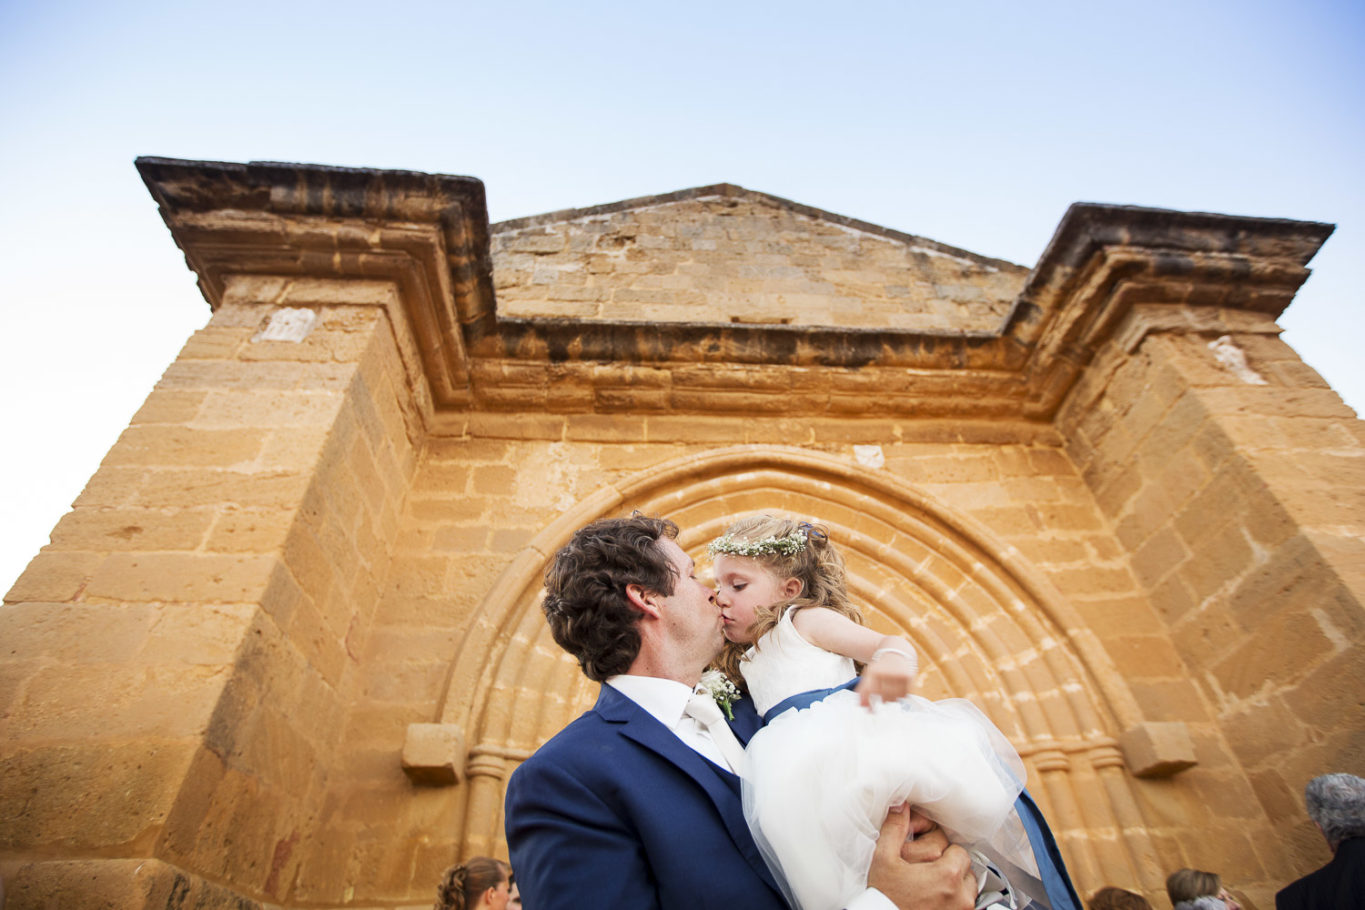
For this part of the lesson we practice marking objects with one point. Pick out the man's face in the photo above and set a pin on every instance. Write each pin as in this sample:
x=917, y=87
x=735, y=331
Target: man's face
x=690, y=613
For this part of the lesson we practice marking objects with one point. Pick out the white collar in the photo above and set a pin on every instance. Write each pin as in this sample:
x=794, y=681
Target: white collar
x=664, y=699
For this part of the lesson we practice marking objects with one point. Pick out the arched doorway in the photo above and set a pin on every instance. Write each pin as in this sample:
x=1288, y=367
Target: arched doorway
x=987, y=625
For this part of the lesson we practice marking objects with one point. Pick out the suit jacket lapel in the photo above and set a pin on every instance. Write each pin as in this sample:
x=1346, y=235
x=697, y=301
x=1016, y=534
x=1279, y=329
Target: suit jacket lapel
x=639, y=725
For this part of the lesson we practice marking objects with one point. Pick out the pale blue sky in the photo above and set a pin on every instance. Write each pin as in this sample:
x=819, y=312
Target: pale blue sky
x=973, y=123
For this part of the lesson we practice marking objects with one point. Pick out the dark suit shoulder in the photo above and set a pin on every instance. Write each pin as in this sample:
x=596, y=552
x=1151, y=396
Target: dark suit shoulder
x=1337, y=885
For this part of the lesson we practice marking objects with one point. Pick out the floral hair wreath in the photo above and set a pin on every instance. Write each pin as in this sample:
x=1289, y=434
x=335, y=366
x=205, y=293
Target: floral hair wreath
x=790, y=545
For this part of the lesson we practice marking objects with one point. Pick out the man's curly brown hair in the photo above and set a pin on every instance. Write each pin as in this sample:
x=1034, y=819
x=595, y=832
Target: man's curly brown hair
x=585, y=590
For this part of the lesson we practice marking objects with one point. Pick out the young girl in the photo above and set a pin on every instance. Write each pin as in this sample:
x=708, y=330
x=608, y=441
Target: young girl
x=819, y=778
x=480, y=883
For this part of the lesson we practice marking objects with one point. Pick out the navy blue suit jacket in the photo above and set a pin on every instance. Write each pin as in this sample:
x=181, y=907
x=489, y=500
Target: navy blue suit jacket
x=617, y=812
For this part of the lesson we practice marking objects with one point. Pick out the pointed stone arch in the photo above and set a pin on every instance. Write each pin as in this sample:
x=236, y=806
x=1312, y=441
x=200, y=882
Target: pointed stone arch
x=988, y=627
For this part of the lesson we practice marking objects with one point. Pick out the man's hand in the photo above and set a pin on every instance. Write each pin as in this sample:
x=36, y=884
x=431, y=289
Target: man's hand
x=926, y=873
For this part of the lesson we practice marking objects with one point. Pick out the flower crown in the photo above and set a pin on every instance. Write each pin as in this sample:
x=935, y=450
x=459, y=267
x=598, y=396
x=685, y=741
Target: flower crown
x=790, y=545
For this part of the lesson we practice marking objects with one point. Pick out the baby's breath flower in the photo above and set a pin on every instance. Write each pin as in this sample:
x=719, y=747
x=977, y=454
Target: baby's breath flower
x=718, y=686
x=790, y=545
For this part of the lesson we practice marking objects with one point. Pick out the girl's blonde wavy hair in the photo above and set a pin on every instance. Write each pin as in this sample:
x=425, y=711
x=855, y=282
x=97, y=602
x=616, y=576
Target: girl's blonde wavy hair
x=817, y=565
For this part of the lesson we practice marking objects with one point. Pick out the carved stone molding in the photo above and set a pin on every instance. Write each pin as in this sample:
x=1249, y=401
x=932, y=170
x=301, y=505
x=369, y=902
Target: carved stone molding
x=429, y=235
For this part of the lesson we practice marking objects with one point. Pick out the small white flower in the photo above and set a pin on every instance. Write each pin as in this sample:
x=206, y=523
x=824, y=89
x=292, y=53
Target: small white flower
x=790, y=545
x=718, y=686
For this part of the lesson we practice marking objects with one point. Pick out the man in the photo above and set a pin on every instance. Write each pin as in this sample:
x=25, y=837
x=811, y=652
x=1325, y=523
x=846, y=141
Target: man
x=634, y=805
x=1336, y=804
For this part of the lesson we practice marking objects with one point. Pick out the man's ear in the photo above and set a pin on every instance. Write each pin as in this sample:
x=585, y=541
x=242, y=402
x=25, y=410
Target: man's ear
x=642, y=600
x=791, y=588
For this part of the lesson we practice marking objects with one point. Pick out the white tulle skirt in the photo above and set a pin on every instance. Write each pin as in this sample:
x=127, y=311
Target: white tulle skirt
x=818, y=782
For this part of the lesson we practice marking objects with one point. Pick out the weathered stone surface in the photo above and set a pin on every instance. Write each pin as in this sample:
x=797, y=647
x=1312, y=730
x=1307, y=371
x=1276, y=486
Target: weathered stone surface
x=307, y=564
x=1158, y=749
x=727, y=255
x=434, y=754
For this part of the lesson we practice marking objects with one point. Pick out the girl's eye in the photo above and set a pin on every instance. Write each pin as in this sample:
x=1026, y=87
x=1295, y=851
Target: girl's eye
x=739, y=586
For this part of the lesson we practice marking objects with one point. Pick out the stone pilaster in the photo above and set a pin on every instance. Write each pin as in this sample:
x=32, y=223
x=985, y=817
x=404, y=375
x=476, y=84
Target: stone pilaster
x=219, y=571
x=1235, y=479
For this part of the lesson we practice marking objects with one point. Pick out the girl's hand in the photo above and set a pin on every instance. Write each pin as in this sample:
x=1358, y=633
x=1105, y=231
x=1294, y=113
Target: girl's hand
x=890, y=660
x=890, y=675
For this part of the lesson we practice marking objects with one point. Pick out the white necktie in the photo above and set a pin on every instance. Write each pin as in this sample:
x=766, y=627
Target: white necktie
x=702, y=708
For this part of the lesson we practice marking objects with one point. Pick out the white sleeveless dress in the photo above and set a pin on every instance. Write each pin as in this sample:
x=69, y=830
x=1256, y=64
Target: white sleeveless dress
x=818, y=781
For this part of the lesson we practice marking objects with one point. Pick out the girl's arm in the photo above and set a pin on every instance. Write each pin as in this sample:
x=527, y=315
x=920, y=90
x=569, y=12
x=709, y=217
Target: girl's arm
x=890, y=659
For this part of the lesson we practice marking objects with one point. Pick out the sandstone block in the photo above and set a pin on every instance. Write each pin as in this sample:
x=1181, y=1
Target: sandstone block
x=1151, y=656
x=169, y=406
x=462, y=539
x=189, y=487
x=214, y=343
x=1157, y=748
x=88, y=796
x=498, y=480
x=249, y=531
x=1160, y=554
x=604, y=427
x=117, y=884
x=182, y=577
x=75, y=633
x=111, y=487
x=434, y=754
x=1276, y=653
x=293, y=448
x=267, y=409
x=131, y=529
x=125, y=699
x=178, y=446
x=54, y=575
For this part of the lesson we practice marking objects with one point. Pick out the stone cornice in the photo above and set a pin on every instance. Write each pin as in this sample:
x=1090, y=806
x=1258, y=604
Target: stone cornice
x=429, y=235
x=1105, y=259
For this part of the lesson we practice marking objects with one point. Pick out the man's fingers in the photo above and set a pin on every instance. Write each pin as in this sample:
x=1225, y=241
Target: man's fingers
x=920, y=823
x=926, y=847
x=958, y=859
x=895, y=829
x=961, y=864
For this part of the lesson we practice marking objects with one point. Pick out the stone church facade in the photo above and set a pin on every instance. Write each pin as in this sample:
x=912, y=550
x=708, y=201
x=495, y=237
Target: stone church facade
x=286, y=648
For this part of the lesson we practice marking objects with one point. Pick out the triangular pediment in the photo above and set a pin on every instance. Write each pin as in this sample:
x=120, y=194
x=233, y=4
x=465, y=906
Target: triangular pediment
x=725, y=254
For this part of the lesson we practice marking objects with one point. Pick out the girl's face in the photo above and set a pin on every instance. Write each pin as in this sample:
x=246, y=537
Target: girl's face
x=497, y=897
x=743, y=587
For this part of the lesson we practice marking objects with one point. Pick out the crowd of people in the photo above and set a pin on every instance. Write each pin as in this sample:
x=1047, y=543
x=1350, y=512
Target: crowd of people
x=1336, y=804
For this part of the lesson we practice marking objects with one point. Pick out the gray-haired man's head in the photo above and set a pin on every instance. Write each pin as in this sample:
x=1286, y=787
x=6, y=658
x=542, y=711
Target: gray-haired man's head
x=1337, y=803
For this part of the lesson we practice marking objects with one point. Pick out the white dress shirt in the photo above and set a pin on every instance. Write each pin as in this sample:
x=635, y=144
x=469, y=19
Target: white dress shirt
x=665, y=700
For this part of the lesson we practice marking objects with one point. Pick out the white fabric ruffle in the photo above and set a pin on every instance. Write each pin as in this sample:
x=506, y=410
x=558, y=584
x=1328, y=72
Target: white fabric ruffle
x=818, y=782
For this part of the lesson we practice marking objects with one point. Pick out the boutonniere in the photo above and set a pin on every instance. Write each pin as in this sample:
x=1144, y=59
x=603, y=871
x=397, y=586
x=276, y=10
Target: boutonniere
x=718, y=686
